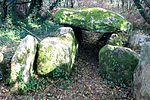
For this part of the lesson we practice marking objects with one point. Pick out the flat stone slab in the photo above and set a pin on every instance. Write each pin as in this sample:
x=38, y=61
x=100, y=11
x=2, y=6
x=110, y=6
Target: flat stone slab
x=92, y=19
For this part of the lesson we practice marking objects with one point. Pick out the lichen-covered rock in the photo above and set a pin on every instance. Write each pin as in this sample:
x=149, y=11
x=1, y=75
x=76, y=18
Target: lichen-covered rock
x=93, y=19
x=57, y=52
x=117, y=64
x=142, y=74
x=118, y=40
x=22, y=63
x=137, y=40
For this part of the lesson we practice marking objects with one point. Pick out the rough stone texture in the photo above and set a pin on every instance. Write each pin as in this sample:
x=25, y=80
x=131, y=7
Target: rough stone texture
x=142, y=74
x=93, y=19
x=1, y=59
x=57, y=52
x=117, y=64
x=137, y=40
x=118, y=40
x=22, y=63
x=90, y=37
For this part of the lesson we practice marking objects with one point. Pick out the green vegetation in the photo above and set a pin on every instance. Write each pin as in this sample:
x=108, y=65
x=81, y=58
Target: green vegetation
x=118, y=40
x=12, y=34
x=36, y=84
x=57, y=51
x=92, y=19
x=117, y=64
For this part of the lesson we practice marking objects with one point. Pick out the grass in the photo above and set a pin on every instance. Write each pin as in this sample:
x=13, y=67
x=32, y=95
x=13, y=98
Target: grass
x=8, y=36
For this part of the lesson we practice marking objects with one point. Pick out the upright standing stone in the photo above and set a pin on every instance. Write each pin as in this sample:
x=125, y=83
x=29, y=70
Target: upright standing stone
x=117, y=64
x=142, y=74
x=22, y=63
x=137, y=40
x=57, y=52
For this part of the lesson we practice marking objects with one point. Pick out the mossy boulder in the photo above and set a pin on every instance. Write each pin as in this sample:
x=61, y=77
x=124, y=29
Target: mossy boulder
x=93, y=19
x=57, y=52
x=22, y=63
x=117, y=64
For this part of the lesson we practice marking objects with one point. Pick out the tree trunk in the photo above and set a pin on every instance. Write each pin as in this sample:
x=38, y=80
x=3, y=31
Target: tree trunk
x=20, y=8
x=122, y=4
x=32, y=5
x=4, y=10
x=142, y=11
x=72, y=3
x=147, y=2
x=111, y=1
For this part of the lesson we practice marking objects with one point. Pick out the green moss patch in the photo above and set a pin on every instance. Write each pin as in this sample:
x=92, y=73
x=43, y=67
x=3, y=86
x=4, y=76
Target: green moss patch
x=57, y=52
x=117, y=64
x=93, y=19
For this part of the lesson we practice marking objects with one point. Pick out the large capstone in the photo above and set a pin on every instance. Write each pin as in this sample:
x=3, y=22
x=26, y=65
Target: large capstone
x=93, y=19
x=117, y=64
x=142, y=74
x=57, y=52
x=22, y=63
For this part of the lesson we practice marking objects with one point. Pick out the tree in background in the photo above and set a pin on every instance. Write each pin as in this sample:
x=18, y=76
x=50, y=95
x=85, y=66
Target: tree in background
x=23, y=8
x=143, y=9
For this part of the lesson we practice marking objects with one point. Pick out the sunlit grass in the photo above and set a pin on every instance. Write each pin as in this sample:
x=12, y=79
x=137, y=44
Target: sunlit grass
x=8, y=36
x=12, y=34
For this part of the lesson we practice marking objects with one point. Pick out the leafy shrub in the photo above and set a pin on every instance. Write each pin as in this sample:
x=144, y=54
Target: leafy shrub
x=118, y=40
